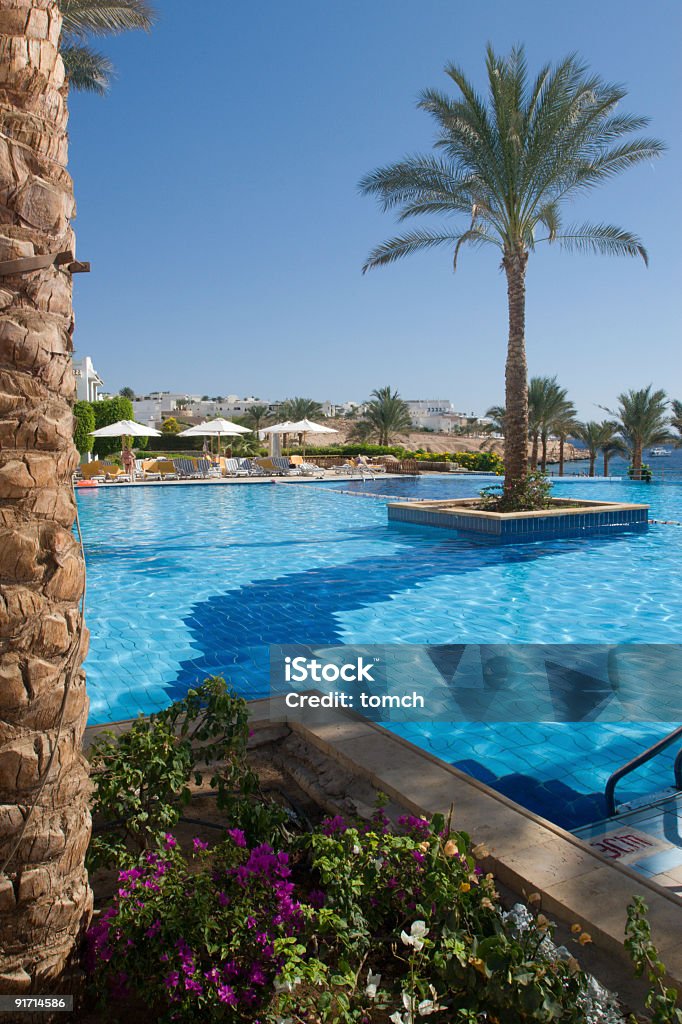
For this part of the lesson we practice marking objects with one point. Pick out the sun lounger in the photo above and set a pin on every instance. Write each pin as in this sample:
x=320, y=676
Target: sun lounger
x=305, y=468
x=348, y=467
x=165, y=468
x=234, y=467
x=186, y=469
x=282, y=463
x=252, y=468
x=97, y=470
x=270, y=468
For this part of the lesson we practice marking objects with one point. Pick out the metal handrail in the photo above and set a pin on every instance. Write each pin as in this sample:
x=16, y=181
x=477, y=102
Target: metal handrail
x=677, y=769
x=646, y=755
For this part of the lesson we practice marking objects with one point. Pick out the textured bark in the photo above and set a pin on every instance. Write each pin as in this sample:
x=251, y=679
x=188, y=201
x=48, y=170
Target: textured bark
x=45, y=901
x=561, y=456
x=534, y=450
x=607, y=456
x=516, y=374
x=543, y=460
x=593, y=459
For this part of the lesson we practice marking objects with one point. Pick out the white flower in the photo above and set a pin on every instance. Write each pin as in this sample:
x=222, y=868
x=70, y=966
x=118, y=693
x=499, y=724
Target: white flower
x=429, y=1006
x=356, y=850
x=397, y=1018
x=378, y=863
x=417, y=932
x=373, y=982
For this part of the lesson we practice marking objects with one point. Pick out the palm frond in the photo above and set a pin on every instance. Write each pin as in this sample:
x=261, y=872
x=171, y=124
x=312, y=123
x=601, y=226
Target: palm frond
x=417, y=178
x=82, y=18
x=606, y=239
x=395, y=248
x=86, y=69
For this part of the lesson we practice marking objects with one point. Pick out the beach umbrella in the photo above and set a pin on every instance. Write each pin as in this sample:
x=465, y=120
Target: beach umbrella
x=306, y=426
x=275, y=433
x=215, y=428
x=125, y=428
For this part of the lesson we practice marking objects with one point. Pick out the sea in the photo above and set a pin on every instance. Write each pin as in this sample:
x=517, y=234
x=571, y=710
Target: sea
x=666, y=468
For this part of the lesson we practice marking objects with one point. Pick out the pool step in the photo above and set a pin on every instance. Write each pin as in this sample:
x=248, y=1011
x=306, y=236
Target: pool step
x=645, y=835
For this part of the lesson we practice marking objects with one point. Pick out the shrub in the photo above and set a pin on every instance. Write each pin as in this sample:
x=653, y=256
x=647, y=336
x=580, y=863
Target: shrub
x=142, y=777
x=84, y=422
x=351, y=923
x=645, y=474
x=532, y=494
x=110, y=410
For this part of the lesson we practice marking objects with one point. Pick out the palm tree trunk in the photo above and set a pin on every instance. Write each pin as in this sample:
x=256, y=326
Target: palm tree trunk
x=534, y=450
x=593, y=459
x=516, y=375
x=45, y=901
x=606, y=463
x=561, y=456
x=637, y=456
x=543, y=463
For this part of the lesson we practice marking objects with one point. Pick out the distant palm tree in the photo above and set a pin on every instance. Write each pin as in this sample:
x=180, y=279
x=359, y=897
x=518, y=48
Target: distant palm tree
x=86, y=69
x=256, y=417
x=509, y=163
x=496, y=414
x=564, y=426
x=676, y=420
x=546, y=402
x=295, y=409
x=127, y=393
x=590, y=434
x=642, y=421
x=386, y=415
x=611, y=443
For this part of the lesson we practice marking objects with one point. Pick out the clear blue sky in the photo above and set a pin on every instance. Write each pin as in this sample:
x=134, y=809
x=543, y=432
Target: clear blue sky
x=217, y=201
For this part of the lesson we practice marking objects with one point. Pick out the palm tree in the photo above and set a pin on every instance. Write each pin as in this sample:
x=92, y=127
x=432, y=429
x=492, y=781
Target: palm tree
x=564, y=426
x=676, y=420
x=496, y=415
x=611, y=443
x=45, y=822
x=509, y=163
x=387, y=415
x=86, y=69
x=592, y=435
x=256, y=417
x=295, y=409
x=546, y=402
x=642, y=421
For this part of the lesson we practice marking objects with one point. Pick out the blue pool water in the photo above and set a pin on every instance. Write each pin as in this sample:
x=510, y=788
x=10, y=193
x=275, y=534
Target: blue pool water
x=184, y=582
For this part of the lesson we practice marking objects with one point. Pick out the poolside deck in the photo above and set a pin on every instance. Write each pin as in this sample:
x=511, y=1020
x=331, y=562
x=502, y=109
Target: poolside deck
x=213, y=481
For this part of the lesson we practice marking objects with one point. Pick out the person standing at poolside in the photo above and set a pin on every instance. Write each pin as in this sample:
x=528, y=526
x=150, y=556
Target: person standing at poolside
x=128, y=460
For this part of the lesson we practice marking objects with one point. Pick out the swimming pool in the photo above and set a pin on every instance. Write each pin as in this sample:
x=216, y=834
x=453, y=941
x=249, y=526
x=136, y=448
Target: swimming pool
x=184, y=582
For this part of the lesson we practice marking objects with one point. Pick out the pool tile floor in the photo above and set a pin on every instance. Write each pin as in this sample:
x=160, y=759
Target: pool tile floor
x=648, y=840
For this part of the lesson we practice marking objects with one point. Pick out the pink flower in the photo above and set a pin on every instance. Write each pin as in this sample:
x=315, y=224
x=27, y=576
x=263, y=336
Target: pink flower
x=198, y=844
x=238, y=836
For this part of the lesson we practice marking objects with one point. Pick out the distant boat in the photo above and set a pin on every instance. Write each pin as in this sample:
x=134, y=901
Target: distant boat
x=659, y=453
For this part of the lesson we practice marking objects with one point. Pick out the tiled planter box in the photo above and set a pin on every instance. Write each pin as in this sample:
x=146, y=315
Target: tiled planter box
x=562, y=520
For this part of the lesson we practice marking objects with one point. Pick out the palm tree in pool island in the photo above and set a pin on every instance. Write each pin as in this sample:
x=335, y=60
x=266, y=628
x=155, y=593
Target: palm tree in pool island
x=44, y=820
x=507, y=164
